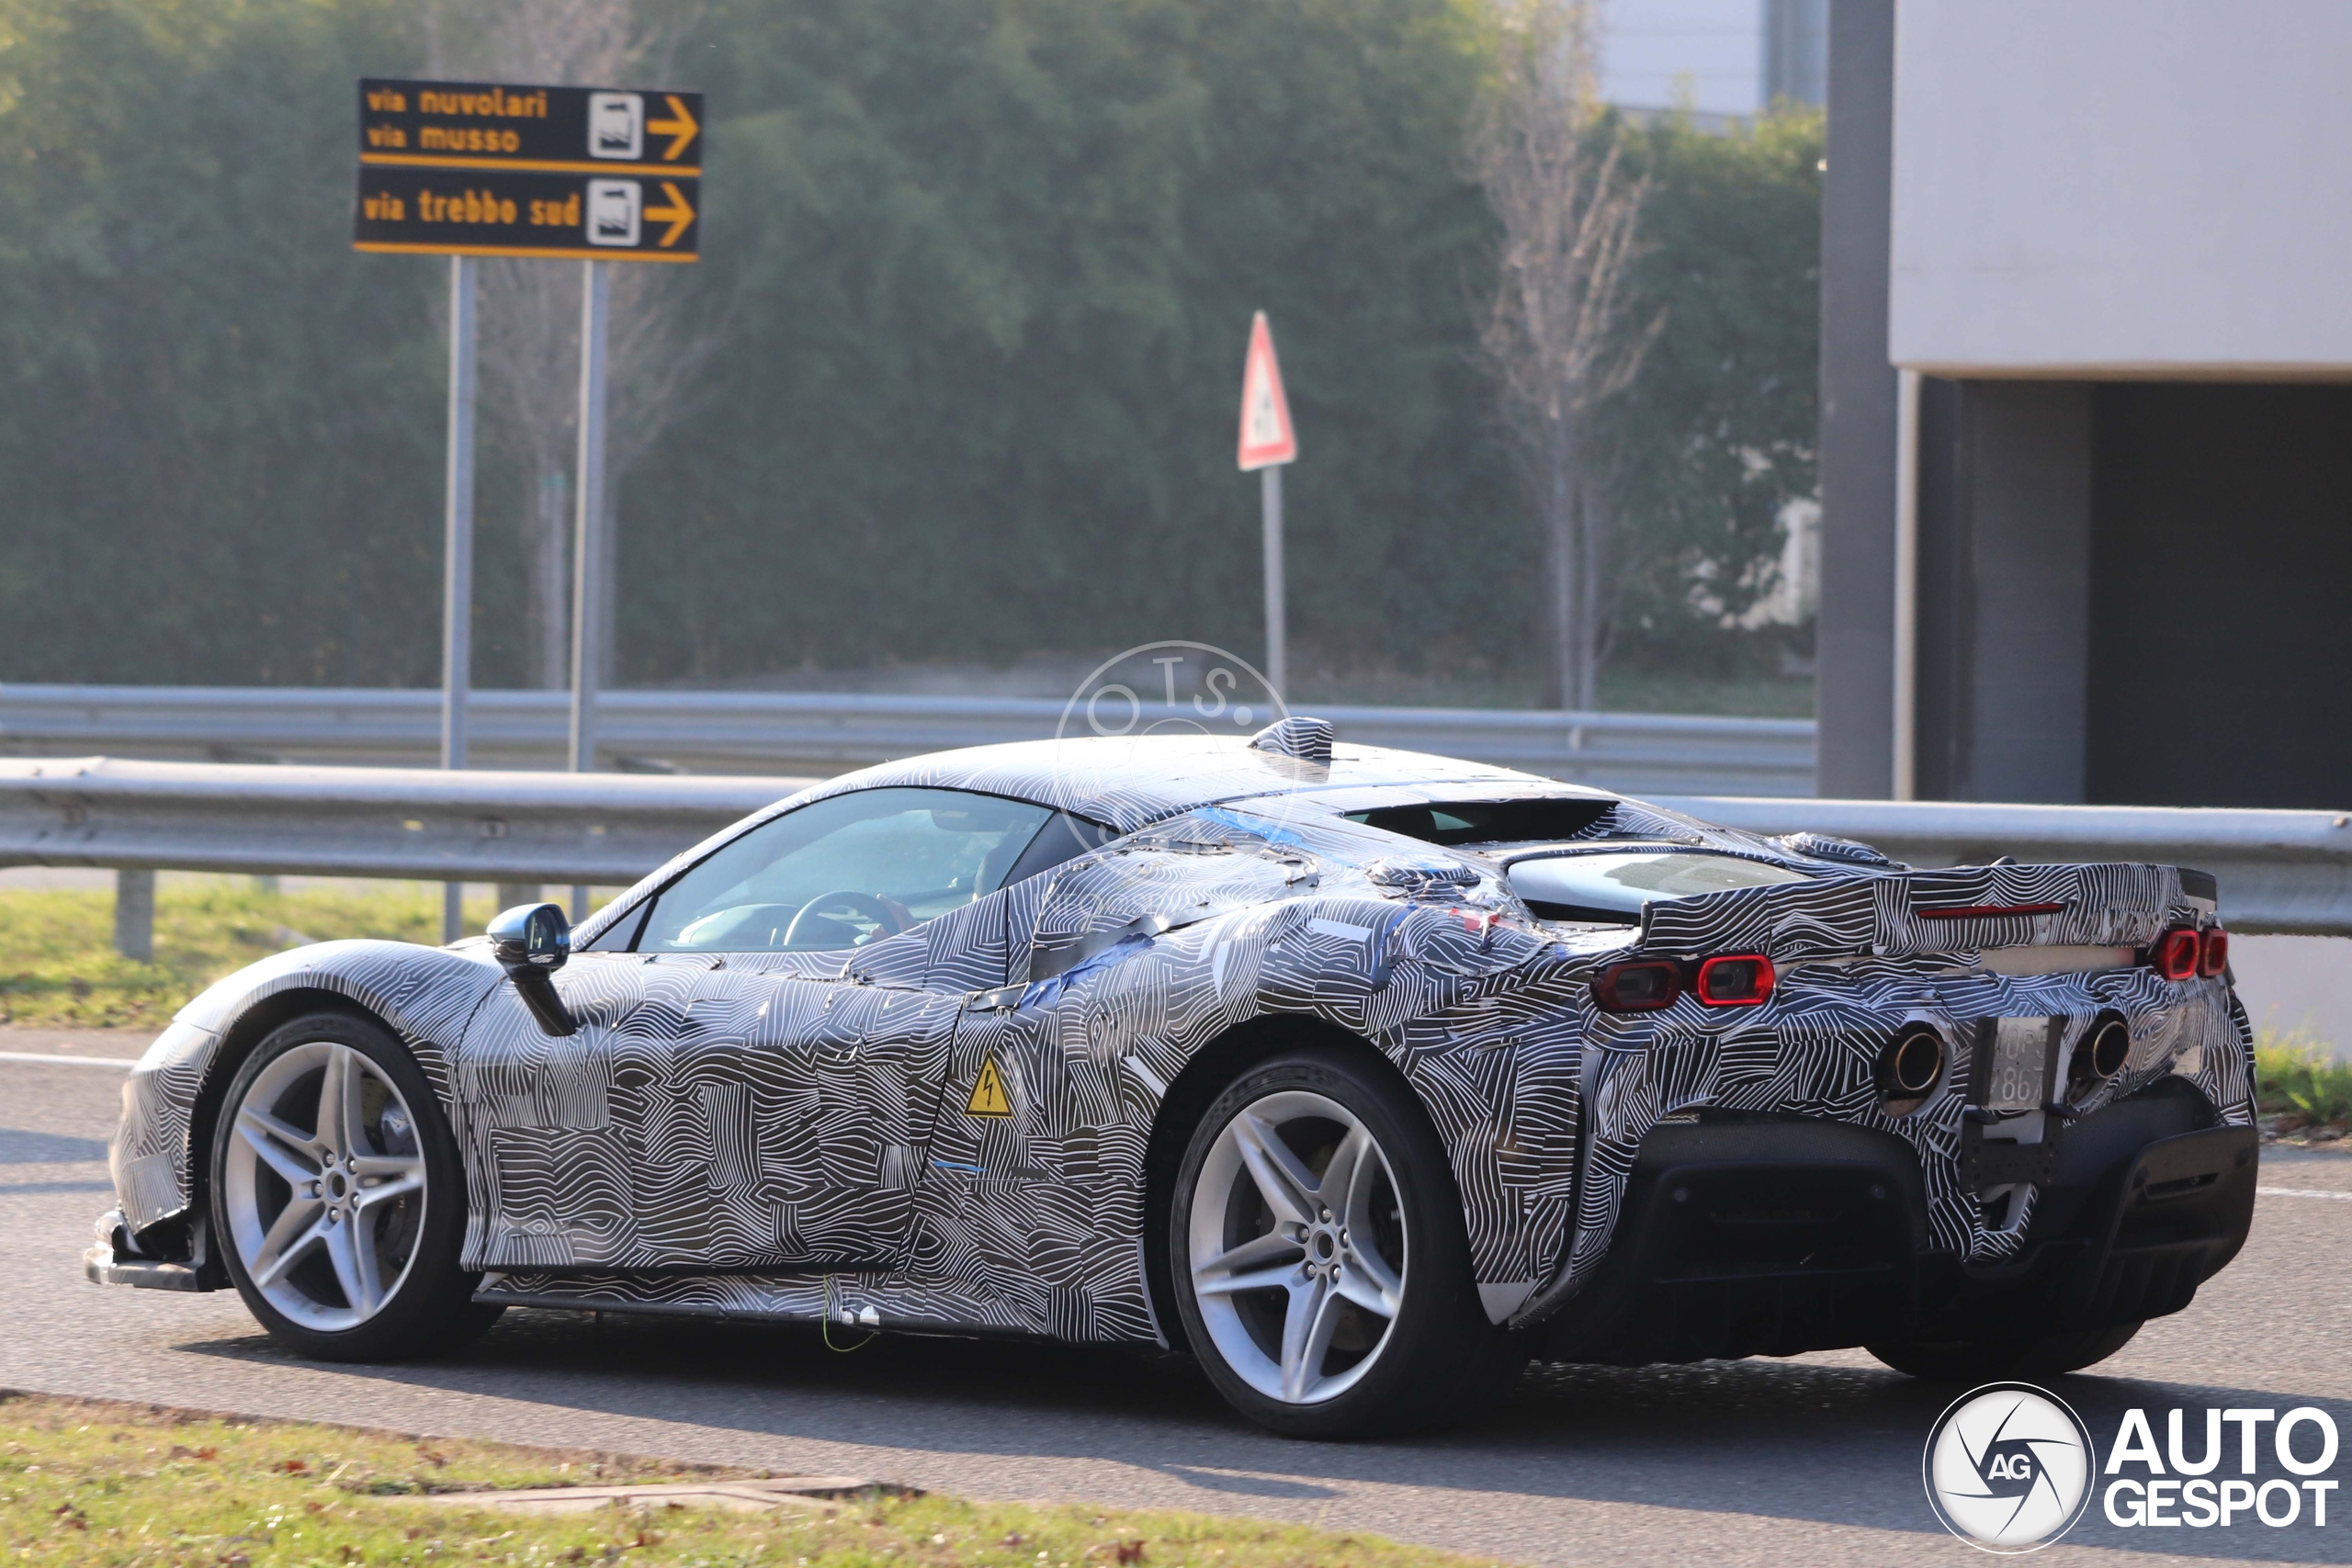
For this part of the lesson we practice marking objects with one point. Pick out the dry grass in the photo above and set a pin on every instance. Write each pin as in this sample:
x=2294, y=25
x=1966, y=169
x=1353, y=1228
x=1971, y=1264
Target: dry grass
x=2303, y=1088
x=87, y=1483
x=59, y=968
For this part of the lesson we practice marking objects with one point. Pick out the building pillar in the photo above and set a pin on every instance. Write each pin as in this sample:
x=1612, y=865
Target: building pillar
x=1855, y=640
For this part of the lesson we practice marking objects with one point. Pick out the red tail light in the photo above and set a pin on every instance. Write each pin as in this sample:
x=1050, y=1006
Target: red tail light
x=2175, y=954
x=1643, y=986
x=2214, y=954
x=1736, y=980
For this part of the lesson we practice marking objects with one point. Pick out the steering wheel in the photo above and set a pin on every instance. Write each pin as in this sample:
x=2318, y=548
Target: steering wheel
x=888, y=918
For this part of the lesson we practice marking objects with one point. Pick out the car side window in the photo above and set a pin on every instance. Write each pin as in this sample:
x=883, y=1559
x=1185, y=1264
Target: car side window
x=845, y=872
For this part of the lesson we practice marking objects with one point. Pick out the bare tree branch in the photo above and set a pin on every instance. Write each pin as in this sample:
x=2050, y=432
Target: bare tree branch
x=1556, y=337
x=530, y=310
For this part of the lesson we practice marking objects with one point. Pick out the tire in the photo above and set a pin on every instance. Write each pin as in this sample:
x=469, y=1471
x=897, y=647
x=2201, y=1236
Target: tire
x=1318, y=1174
x=2006, y=1361
x=294, y=1186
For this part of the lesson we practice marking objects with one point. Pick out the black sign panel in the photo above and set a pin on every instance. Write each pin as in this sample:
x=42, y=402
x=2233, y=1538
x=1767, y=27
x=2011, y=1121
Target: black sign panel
x=463, y=125
x=509, y=212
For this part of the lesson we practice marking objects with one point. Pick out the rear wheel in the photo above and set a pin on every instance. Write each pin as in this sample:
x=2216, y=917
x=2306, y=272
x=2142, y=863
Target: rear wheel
x=338, y=1196
x=1319, y=1259
x=2003, y=1359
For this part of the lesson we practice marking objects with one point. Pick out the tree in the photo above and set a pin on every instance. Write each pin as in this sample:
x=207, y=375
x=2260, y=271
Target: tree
x=1558, y=336
x=530, y=311
x=1718, y=433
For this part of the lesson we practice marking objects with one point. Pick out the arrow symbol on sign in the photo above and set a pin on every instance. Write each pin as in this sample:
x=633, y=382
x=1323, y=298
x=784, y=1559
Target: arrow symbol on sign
x=678, y=215
x=680, y=127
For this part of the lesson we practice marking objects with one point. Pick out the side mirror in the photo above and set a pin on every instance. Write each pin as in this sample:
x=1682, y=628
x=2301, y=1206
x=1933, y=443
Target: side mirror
x=530, y=943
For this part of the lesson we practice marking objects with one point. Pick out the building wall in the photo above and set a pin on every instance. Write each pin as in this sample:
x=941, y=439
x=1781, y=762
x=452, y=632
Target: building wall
x=2121, y=188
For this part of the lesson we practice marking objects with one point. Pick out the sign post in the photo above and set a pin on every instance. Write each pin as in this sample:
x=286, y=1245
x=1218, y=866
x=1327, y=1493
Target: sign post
x=1268, y=442
x=470, y=169
x=457, y=572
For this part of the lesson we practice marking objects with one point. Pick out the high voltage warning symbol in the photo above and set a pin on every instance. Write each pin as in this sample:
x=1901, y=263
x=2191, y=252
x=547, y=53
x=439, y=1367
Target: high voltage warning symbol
x=989, y=1098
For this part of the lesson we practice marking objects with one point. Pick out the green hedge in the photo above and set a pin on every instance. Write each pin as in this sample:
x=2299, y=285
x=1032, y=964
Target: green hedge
x=981, y=272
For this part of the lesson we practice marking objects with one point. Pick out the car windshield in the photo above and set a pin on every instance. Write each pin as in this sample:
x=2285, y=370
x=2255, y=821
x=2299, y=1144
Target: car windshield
x=1611, y=886
x=844, y=872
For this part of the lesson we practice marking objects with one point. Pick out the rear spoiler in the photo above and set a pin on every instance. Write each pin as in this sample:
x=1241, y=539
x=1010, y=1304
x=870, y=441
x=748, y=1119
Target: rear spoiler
x=1959, y=908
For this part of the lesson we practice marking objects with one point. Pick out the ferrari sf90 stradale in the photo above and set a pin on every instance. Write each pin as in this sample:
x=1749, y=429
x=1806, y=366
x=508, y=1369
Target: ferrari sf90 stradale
x=1363, y=1076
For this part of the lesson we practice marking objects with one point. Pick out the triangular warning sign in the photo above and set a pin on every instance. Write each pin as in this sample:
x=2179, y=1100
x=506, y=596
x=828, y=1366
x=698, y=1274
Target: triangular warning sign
x=989, y=1098
x=1266, y=435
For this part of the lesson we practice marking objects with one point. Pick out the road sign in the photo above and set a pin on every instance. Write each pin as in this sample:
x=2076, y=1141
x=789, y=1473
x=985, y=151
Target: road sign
x=1267, y=437
x=569, y=131
x=507, y=212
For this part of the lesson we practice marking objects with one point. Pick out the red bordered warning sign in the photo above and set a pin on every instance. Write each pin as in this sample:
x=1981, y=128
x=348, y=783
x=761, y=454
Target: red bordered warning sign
x=1267, y=437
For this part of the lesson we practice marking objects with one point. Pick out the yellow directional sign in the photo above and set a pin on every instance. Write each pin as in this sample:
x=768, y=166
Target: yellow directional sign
x=502, y=212
x=989, y=1098
x=571, y=131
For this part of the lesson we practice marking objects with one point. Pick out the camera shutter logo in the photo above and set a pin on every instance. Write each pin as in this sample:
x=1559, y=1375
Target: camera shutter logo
x=2008, y=1467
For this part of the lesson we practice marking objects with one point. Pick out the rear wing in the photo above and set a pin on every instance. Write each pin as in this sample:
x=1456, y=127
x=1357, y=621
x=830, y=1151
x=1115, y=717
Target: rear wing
x=1956, y=909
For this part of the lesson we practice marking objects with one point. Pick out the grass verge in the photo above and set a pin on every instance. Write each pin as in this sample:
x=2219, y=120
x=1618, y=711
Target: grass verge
x=59, y=968
x=2304, y=1093
x=91, y=1483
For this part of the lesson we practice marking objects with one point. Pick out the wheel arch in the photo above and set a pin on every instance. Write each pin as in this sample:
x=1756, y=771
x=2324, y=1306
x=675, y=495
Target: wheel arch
x=238, y=1043
x=430, y=1033
x=1195, y=1088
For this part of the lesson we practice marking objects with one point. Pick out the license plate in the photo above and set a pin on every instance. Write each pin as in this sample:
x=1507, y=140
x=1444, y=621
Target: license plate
x=2020, y=1064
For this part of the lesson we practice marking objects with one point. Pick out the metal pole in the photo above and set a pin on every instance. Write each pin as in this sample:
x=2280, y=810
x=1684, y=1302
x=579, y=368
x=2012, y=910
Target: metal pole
x=134, y=914
x=1277, y=634
x=587, y=552
x=457, y=570
x=1906, y=585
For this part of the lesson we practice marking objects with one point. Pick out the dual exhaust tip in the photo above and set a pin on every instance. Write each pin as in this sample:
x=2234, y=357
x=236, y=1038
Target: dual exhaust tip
x=1911, y=1065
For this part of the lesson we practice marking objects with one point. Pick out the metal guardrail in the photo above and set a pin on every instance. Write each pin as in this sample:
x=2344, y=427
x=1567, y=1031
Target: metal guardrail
x=467, y=826
x=793, y=732
x=2279, y=871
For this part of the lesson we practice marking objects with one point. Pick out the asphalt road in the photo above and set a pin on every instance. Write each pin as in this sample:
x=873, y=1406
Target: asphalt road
x=1814, y=1459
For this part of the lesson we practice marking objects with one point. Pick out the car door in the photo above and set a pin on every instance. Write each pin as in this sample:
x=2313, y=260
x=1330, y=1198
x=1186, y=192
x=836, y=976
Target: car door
x=771, y=1034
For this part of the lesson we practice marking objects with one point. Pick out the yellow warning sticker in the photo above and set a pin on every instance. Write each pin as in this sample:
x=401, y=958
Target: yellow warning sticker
x=989, y=1098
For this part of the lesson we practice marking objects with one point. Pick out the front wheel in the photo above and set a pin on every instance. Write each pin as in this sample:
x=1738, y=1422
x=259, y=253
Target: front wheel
x=2004, y=1359
x=1319, y=1259
x=338, y=1196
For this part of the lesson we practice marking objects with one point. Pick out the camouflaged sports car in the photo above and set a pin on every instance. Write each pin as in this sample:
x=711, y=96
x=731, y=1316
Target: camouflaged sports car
x=1363, y=1074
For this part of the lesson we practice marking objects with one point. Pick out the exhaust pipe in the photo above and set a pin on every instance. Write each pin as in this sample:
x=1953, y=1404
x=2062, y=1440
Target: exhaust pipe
x=1909, y=1067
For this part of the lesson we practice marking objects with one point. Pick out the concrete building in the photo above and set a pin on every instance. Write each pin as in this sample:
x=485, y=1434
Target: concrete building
x=2087, y=377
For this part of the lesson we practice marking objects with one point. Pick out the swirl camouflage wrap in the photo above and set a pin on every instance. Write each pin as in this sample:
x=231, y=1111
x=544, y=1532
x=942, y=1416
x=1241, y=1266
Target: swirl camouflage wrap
x=964, y=1126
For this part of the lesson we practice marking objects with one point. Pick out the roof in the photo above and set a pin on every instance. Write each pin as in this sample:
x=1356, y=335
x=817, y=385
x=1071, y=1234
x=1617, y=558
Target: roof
x=1126, y=781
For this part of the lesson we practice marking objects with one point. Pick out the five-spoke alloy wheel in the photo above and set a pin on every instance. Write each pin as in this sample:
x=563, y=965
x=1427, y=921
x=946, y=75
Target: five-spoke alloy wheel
x=1320, y=1259
x=1297, y=1247
x=337, y=1198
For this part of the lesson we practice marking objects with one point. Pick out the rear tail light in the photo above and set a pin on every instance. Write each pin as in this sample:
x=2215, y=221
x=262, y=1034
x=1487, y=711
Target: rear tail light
x=2175, y=953
x=1738, y=980
x=2214, y=954
x=1643, y=985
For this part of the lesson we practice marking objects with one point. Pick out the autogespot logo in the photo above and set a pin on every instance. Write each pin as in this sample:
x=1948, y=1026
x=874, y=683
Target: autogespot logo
x=2009, y=1467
